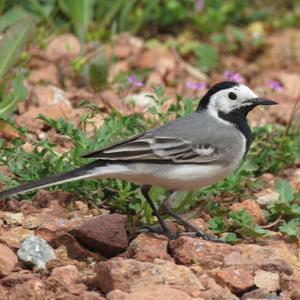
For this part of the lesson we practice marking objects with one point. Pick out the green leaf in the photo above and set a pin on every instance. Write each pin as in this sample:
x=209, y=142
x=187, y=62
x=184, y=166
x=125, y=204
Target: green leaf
x=12, y=16
x=241, y=218
x=285, y=191
x=291, y=228
x=217, y=225
x=255, y=231
x=19, y=93
x=159, y=91
x=98, y=71
x=207, y=57
x=81, y=13
x=13, y=42
x=19, y=87
x=230, y=237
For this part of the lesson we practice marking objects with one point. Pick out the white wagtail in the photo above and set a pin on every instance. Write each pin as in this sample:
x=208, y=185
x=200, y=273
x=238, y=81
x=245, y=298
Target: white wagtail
x=186, y=154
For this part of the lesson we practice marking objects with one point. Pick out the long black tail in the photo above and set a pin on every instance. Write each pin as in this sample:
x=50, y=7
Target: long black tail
x=76, y=174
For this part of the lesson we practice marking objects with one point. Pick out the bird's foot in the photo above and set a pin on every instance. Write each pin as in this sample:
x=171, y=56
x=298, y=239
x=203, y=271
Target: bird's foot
x=157, y=229
x=192, y=230
x=204, y=236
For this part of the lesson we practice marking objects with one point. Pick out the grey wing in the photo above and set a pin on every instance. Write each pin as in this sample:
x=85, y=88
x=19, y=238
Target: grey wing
x=150, y=147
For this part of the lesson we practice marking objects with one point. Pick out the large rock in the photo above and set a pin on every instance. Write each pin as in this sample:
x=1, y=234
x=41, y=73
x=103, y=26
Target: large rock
x=104, y=234
x=76, y=250
x=29, y=290
x=63, y=46
x=187, y=250
x=36, y=251
x=148, y=247
x=275, y=257
x=125, y=275
x=14, y=236
x=237, y=280
x=8, y=260
x=67, y=277
x=151, y=291
x=267, y=280
x=18, y=278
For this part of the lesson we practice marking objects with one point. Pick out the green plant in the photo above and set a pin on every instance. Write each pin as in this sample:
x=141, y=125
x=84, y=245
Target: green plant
x=80, y=13
x=284, y=211
x=20, y=30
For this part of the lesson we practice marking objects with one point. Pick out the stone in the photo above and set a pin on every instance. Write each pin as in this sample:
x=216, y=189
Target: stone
x=258, y=294
x=8, y=260
x=237, y=280
x=252, y=208
x=13, y=218
x=26, y=207
x=67, y=277
x=33, y=289
x=65, y=45
x=56, y=221
x=75, y=250
x=81, y=206
x=148, y=247
x=266, y=197
x=214, y=290
x=105, y=234
x=48, y=95
x=36, y=251
x=90, y=296
x=32, y=221
x=49, y=73
x=267, y=280
x=14, y=236
x=126, y=274
x=18, y=278
x=151, y=291
x=29, y=118
x=187, y=251
x=253, y=257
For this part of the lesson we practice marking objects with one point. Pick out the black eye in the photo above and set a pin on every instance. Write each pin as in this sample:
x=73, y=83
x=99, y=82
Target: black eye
x=232, y=96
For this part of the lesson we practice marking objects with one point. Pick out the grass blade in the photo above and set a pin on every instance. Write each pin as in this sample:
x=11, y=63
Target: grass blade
x=12, y=16
x=81, y=13
x=13, y=42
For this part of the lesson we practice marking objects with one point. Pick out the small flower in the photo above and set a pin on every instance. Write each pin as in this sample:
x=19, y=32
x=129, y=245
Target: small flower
x=195, y=85
x=200, y=5
x=275, y=85
x=233, y=76
x=134, y=81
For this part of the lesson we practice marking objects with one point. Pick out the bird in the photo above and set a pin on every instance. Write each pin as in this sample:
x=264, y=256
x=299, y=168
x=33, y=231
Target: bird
x=186, y=154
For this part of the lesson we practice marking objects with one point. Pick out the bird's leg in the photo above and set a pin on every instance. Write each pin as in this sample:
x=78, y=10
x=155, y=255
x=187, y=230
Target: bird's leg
x=145, y=191
x=190, y=226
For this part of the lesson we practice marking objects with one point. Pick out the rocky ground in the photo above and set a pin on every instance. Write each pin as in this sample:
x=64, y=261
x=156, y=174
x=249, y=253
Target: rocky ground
x=58, y=247
x=49, y=251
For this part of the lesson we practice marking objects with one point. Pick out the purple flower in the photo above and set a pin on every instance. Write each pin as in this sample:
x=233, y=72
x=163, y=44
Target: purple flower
x=195, y=85
x=134, y=81
x=200, y=5
x=236, y=76
x=275, y=85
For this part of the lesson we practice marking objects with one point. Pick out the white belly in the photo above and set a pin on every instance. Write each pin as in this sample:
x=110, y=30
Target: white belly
x=175, y=177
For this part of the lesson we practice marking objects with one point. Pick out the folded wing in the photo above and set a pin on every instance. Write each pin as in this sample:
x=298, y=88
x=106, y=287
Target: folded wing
x=146, y=147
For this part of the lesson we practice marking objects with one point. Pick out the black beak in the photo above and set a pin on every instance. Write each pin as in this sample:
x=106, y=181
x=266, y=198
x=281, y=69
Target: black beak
x=261, y=101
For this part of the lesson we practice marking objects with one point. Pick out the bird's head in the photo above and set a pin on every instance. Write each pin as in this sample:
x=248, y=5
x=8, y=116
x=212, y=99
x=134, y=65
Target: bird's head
x=229, y=97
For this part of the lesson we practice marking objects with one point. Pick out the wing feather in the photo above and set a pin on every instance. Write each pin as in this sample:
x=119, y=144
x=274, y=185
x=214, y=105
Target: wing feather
x=146, y=147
